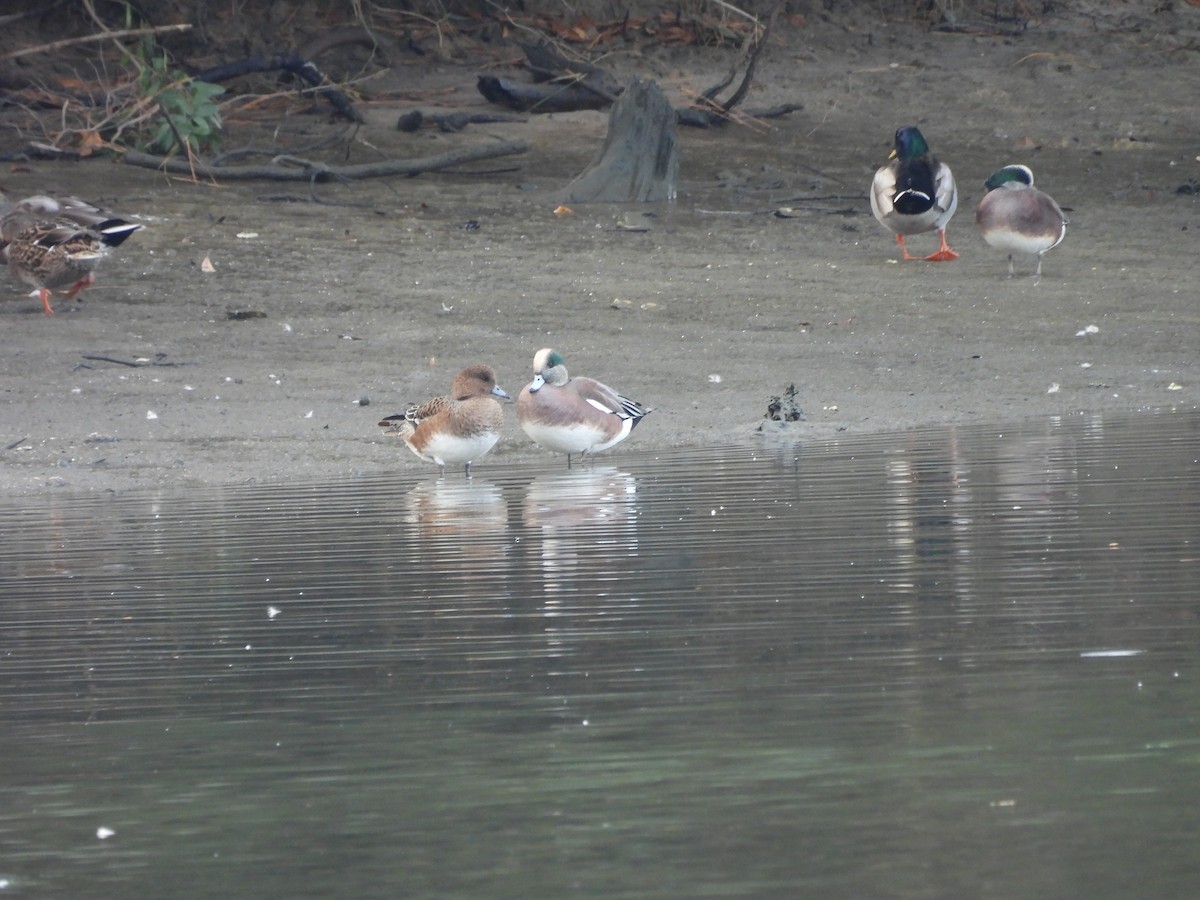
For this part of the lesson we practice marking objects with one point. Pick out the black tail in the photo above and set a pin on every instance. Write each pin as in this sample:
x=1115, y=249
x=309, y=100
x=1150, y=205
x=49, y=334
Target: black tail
x=114, y=231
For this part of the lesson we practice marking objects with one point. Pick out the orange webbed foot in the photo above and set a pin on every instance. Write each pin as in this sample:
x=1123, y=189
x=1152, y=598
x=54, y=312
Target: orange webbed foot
x=942, y=256
x=944, y=253
x=44, y=296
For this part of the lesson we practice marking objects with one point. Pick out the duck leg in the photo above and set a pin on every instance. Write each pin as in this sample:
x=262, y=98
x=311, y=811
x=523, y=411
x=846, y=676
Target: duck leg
x=44, y=295
x=904, y=250
x=944, y=253
x=78, y=286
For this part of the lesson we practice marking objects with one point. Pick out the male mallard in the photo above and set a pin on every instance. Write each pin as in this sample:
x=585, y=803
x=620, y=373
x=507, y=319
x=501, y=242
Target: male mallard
x=1015, y=216
x=457, y=428
x=55, y=242
x=573, y=415
x=914, y=193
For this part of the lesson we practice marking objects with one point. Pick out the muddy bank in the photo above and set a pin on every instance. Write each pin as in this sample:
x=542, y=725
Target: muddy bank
x=379, y=296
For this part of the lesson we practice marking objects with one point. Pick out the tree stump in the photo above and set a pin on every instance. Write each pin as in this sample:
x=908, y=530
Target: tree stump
x=639, y=160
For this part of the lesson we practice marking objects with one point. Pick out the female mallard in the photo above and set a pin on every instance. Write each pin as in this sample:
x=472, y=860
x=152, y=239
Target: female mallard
x=1015, y=216
x=914, y=193
x=55, y=242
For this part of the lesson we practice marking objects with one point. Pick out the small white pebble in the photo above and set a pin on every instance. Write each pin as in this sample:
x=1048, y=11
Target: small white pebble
x=1053, y=389
x=104, y=833
x=151, y=414
x=273, y=611
x=309, y=414
x=714, y=379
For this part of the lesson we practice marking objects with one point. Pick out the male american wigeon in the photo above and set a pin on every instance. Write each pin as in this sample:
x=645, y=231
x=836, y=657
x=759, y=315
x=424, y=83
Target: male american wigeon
x=55, y=242
x=457, y=428
x=1015, y=216
x=914, y=193
x=573, y=415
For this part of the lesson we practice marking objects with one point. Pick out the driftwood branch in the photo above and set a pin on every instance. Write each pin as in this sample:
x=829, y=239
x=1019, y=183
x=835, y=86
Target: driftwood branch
x=317, y=172
x=450, y=122
x=563, y=85
x=354, y=35
x=712, y=112
x=55, y=46
x=302, y=68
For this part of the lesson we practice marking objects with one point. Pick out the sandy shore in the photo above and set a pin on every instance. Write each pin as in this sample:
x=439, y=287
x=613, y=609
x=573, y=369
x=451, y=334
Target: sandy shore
x=705, y=316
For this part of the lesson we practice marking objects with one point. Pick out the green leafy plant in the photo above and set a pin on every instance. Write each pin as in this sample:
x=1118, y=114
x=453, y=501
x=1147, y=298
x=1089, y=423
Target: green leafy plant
x=190, y=117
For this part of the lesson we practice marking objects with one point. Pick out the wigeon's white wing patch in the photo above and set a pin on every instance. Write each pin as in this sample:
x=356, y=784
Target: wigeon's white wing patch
x=603, y=407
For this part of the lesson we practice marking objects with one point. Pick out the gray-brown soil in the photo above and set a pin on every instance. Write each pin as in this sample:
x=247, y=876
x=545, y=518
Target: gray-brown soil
x=707, y=314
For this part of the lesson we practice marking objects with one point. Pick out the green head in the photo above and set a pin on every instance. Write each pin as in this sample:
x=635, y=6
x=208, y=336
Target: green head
x=1020, y=174
x=910, y=143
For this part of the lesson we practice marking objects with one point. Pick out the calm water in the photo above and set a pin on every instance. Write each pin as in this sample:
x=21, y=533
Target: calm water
x=956, y=663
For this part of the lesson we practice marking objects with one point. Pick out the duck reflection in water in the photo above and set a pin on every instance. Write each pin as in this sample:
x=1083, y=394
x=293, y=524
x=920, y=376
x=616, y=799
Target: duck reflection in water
x=582, y=525
x=439, y=507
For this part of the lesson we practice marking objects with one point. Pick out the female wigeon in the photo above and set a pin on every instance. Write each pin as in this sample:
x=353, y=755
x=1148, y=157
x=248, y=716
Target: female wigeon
x=55, y=242
x=573, y=415
x=457, y=428
x=914, y=193
x=1015, y=216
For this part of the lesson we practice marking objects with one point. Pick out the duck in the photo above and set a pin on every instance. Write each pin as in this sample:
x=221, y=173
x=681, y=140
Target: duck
x=573, y=415
x=457, y=428
x=915, y=193
x=1015, y=216
x=54, y=242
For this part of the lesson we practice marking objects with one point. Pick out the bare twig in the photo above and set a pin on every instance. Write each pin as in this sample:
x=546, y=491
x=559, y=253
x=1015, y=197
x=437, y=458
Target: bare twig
x=135, y=363
x=91, y=38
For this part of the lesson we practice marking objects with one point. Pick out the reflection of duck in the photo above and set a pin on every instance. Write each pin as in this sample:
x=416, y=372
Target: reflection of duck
x=457, y=428
x=583, y=528
x=455, y=507
x=573, y=415
x=1015, y=216
x=55, y=242
x=914, y=193
x=586, y=496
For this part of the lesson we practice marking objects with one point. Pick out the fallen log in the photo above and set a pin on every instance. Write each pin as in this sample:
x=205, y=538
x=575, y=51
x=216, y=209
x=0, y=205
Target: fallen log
x=548, y=97
x=306, y=170
x=449, y=122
